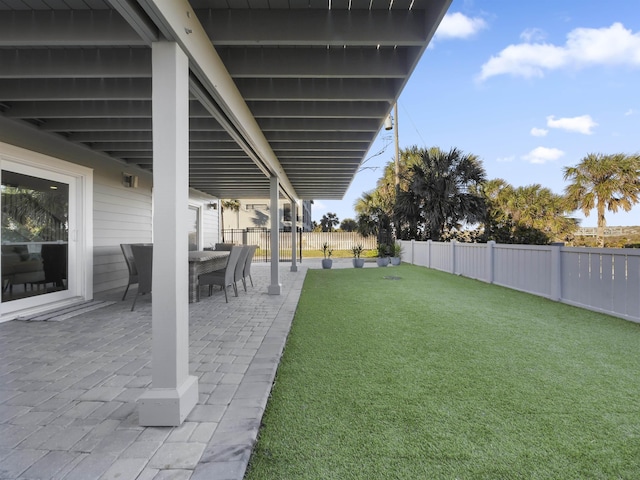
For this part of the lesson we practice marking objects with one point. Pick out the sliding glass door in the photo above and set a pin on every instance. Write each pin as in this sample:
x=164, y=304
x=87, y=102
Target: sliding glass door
x=39, y=236
x=35, y=235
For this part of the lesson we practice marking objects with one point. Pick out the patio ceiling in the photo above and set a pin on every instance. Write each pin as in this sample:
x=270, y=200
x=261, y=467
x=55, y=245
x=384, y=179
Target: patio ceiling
x=294, y=88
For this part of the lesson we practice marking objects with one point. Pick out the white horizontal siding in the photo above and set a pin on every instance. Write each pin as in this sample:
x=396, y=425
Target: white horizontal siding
x=120, y=214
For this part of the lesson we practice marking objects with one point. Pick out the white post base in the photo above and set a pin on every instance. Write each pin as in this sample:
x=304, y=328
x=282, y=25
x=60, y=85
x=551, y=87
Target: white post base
x=166, y=407
x=274, y=289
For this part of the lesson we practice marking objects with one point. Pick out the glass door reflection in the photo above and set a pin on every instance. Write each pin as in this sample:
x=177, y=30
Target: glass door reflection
x=35, y=235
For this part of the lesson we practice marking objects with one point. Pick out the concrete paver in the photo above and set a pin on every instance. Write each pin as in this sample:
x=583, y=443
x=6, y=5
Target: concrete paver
x=68, y=389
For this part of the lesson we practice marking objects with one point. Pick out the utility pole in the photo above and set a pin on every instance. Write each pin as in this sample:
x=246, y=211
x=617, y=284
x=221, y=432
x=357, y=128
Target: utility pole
x=397, y=165
x=395, y=137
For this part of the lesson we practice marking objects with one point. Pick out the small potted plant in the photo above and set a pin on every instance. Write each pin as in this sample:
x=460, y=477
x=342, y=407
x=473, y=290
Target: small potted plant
x=357, y=251
x=383, y=255
x=396, y=253
x=327, y=252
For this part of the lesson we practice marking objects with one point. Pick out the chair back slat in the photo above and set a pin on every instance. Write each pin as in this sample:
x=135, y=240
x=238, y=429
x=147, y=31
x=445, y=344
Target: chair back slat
x=240, y=265
x=230, y=270
x=247, y=264
x=143, y=256
x=128, y=258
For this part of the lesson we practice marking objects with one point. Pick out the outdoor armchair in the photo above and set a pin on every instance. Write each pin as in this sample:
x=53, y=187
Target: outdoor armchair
x=143, y=256
x=131, y=265
x=247, y=266
x=224, y=277
x=238, y=274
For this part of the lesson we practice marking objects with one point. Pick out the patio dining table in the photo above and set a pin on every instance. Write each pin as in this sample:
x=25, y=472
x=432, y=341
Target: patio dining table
x=203, y=262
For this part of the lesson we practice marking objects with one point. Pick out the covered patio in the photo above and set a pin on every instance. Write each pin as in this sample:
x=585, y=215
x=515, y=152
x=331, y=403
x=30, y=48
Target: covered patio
x=143, y=107
x=68, y=389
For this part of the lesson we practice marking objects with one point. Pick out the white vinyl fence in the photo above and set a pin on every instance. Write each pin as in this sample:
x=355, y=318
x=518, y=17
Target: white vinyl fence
x=337, y=240
x=605, y=280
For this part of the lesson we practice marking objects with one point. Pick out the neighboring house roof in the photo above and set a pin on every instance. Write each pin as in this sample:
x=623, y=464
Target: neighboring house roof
x=294, y=88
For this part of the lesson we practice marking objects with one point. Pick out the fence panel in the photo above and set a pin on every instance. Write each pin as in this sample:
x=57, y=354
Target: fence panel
x=523, y=267
x=420, y=254
x=337, y=240
x=604, y=280
x=441, y=258
x=471, y=260
x=262, y=238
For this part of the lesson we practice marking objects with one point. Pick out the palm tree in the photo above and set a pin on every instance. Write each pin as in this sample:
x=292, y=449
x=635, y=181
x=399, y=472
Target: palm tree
x=529, y=214
x=329, y=221
x=447, y=184
x=233, y=205
x=372, y=216
x=603, y=182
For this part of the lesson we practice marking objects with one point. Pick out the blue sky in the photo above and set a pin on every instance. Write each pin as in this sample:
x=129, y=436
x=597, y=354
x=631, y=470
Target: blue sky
x=528, y=87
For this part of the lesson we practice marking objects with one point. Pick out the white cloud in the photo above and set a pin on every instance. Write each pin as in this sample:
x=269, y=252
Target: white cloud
x=585, y=47
x=542, y=155
x=539, y=132
x=533, y=34
x=505, y=159
x=583, y=124
x=318, y=206
x=458, y=25
x=629, y=112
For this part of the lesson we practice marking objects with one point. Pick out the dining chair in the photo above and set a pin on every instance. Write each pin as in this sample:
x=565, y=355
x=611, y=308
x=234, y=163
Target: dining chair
x=237, y=276
x=131, y=266
x=246, y=272
x=223, y=277
x=143, y=256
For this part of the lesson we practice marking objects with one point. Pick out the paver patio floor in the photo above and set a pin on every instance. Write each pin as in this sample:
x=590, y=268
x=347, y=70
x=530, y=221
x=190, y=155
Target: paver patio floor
x=68, y=389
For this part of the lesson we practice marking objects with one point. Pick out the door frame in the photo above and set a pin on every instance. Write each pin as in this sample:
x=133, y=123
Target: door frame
x=80, y=238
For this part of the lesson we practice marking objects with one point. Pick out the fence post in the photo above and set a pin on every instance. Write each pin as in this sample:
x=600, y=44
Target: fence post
x=453, y=257
x=300, y=242
x=413, y=248
x=556, y=271
x=245, y=240
x=489, y=266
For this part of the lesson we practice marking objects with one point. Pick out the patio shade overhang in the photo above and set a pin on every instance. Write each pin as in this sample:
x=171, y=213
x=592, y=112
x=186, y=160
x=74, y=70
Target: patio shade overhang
x=297, y=89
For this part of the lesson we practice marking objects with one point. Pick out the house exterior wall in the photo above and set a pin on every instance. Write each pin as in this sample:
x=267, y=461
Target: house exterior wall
x=256, y=213
x=120, y=214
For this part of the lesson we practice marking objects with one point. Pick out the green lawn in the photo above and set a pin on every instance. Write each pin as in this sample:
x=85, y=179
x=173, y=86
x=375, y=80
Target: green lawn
x=435, y=376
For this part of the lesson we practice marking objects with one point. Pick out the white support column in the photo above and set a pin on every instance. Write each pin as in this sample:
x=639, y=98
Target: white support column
x=173, y=392
x=274, y=288
x=294, y=234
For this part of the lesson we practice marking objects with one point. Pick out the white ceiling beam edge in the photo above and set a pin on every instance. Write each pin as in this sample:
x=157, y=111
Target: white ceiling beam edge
x=320, y=124
x=63, y=28
x=76, y=63
x=324, y=89
x=315, y=27
x=121, y=124
x=126, y=136
x=270, y=62
x=76, y=89
x=346, y=109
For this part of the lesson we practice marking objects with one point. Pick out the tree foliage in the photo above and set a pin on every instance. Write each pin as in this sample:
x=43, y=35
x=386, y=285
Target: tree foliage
x=329, y=221
x=603, y=182
x=530, y=215
x=441, y=193
x=348, y=225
